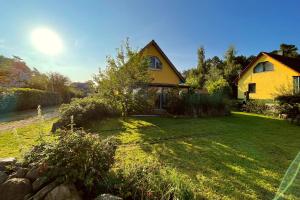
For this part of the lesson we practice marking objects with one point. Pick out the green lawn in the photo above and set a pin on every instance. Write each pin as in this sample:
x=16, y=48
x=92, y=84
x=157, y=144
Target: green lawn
x=243, y=156
x=14, y=143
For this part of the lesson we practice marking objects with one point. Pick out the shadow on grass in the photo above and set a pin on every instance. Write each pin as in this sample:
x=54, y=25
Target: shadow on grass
x=237, y=157
x=241, y=156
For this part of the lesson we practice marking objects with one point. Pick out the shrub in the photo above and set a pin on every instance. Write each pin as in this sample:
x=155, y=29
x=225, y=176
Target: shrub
x=76, y=157
x=194, y=104
x=16, y=99
x=265, y=107
x=151, y=181
x=290, y=107
x=288, y=99
x=255, y=106
x=86, y=109
x=219, y=86
x=175, y=103
x=142, y=102
x=205, y=104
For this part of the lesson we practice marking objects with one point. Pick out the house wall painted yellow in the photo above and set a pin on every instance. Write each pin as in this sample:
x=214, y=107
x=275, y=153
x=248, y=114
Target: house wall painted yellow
x=166, y=75
x=268, y=84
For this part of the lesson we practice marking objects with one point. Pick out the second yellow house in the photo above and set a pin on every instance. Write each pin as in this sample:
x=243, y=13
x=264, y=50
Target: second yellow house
x=268, y=76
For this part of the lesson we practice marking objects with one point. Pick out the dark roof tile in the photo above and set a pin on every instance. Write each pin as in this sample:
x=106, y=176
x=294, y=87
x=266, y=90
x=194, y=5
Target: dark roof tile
x=293, y=63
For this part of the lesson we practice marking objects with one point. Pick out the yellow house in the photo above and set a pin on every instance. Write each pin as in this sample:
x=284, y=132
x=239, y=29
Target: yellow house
x=164, y=74
x=268, y=76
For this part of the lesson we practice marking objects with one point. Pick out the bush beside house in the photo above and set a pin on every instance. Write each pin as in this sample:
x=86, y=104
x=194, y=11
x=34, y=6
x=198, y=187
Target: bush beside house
x=196, y=105
x=284, y=106
x=84, y=110
x=256, y=106
x=289, y=107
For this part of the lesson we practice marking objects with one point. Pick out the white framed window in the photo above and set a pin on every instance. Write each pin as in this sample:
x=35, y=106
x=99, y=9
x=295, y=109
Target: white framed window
x=155, y=63
x=296, y=84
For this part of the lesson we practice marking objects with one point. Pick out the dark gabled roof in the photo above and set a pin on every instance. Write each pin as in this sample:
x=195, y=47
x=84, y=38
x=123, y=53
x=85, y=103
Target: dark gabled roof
x=293, y=63
x=152, y=42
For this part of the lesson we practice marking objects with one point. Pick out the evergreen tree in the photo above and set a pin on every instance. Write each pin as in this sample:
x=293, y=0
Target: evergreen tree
x=231, y=68
x=201, y=66
x=288, y=50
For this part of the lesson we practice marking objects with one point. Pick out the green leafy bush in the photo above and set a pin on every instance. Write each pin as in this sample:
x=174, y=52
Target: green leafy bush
x=288, y=99
x=85, y=109
x=175, y=102
x=76, y=157
x=205, y=104
x=290, y=107
x=265, y=107
x=219, y=86
x=142, y=102
x=195, y=104
x=16, y=99
x=151, y=181
x=255, y=106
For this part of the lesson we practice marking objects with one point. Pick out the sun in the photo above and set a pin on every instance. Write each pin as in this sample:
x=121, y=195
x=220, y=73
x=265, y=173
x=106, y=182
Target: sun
x=47, y=41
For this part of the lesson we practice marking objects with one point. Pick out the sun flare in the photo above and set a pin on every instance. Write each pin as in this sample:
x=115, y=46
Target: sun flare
x=47, y=41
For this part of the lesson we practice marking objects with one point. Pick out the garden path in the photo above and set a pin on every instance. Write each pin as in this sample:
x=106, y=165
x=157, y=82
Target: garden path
x=20, y=119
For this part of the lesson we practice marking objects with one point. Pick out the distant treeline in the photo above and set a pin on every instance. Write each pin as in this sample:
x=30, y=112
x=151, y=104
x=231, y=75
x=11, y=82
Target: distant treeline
x=24, y=88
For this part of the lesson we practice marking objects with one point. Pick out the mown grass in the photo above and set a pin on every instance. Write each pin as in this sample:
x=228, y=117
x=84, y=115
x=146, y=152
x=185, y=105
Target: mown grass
x=242, y=156
x=14, y=143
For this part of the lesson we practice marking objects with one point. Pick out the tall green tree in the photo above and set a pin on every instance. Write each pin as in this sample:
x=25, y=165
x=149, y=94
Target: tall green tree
x=244, y=61
x=125, y=78
x=57, y=82
x=201, y=66
x=288, y=50
x=231, y=68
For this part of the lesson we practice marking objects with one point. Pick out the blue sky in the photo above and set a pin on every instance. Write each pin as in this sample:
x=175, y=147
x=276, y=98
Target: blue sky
x=91, y=30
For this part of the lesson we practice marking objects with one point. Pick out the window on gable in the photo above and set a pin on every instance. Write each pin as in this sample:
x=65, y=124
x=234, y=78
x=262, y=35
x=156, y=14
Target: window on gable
x=258, y=68
x=296, y=84
x=155, y=63
x=263, y=67
x=252, y=87
x=268, y=66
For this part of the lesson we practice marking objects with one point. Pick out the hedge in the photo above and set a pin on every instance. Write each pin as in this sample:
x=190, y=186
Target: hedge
x=194, y=104
x=288, y=99
x=17, y=99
